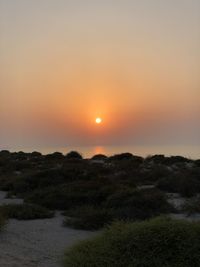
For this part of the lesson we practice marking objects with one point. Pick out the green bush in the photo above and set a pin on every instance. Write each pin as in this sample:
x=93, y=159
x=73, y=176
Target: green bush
x=160, y=242
x=138, y=204
x=25, y=211
x=88, y=218
x=126, y=205
x=73, y=194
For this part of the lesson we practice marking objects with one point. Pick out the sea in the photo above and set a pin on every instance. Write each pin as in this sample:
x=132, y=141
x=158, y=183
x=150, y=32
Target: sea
x=192, y=152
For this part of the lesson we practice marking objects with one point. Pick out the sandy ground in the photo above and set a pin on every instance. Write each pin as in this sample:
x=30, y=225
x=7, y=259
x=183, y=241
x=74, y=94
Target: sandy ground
x=36, y=243
x=176, y=200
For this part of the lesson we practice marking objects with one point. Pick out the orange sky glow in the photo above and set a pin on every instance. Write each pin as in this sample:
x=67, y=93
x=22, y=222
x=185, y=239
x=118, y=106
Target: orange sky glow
x=134, y=64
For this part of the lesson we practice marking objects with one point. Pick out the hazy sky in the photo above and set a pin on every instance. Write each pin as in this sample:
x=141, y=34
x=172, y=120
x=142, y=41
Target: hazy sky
x=135, y=63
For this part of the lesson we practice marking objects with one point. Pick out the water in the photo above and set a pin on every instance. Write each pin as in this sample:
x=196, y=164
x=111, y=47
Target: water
x=192, y=152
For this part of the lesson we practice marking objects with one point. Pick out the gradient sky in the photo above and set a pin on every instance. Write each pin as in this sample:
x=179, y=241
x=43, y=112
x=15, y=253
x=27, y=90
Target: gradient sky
x=135, y=63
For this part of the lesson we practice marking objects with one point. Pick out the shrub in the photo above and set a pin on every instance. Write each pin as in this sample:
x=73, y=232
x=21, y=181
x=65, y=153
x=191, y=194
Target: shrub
x=197, y=162
x=2, y=220
x=88, y=218
x=161, y=159
x=122, y=156
x=176, y=159
x=42, y=179
x=159, y=242
x=138, y=204
x=25, y=211
x=189, y=186
x=158, y=159
x=54, y=156
x=126, y=205
x=50, y=197
x=71, y=195
x=155, y=173
x=73, y=155
x=7, y=182
x=192, y=206
x=99, y=157
x=36, y=154
x=182, y=183
x=4, y=153
x=168, y=184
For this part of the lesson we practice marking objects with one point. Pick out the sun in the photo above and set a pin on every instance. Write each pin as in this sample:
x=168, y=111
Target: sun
x=98, y=120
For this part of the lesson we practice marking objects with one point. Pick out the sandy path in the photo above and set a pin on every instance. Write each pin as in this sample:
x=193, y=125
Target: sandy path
x=37, y=243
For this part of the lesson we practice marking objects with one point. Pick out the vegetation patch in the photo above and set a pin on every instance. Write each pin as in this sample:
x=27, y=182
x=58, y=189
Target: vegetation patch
x=125, y=205
x=25, y=211
x=138, y=204
x=186, y=184
x=73, y=194
x=2, y=220
x=88, y=218
x=99, y=190
x=192, y=206
x=160, y=242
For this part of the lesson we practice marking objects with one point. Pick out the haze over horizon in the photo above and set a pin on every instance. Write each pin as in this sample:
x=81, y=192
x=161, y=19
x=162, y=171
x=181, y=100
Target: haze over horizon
x=134, y=64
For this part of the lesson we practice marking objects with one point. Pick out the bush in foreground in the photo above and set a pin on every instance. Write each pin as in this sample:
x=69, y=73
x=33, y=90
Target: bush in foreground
x=25, y=212
x=160, y=242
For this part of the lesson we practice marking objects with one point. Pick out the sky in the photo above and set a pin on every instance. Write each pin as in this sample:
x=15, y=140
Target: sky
x=133, y=63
